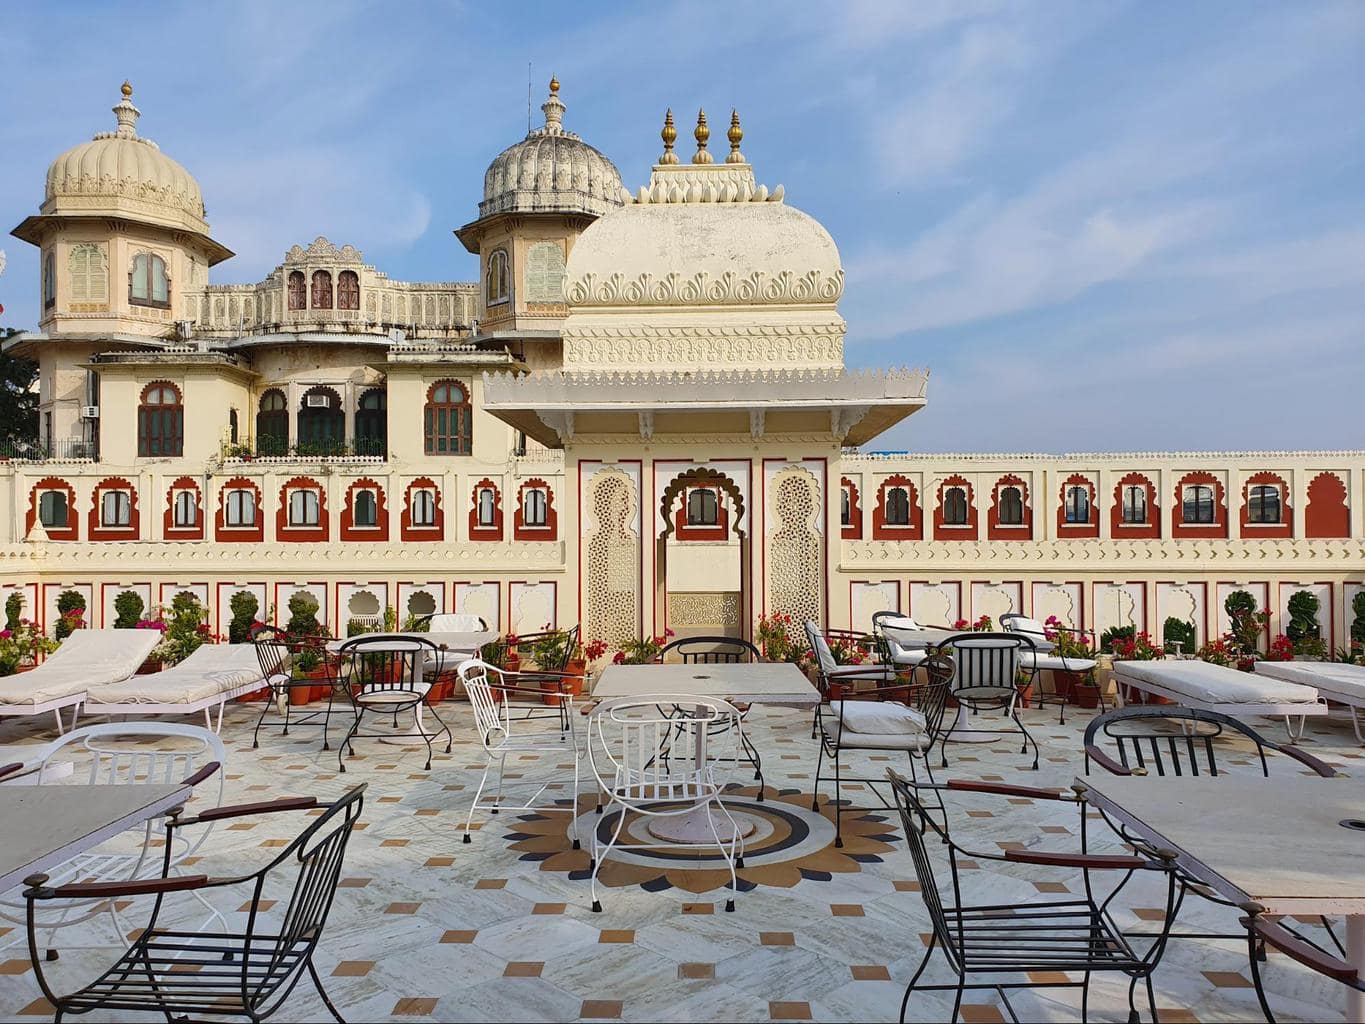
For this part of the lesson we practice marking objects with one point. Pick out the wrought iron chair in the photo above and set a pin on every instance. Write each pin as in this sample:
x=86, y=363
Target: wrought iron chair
x=131, y=754
x=489, y=690
x=1034, y=940
x=625, y=735
x=830, y=674
x=384, y=676
x=891, y=651
x=1044, y=659
x=225, y=974
x=552, y=672
x=277, y=653
x=1184, y=742
x=1263, y=931
x=918, y=728
x=987, y=679
x=720, y=650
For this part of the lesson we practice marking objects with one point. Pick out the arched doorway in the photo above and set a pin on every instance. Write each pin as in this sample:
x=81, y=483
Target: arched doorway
x=701, y=575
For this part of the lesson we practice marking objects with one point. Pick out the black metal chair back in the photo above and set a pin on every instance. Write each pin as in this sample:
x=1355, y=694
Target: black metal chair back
x=272, y=651
x=987, y=664
x=930, y=698
x=711, y=650
x=1177, y=741
x=561, y=661
x=916, y=821
x=387, y=665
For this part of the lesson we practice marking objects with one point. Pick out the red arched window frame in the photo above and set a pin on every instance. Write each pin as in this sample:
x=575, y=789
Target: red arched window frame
x=483, y=526
x=1089, y=528
x=521, y=530
x=850, y=525
x=225, y=529
x=380, y=530
x=1219, y=526
x=683, y=526
x=1266, y=531
x=948, y=531
x=120, y=493
x=997, y=530
x=1326, y=514
x=448, y=420
x=185, y=485
x=1150, y=529
x=301, y=532
x=54, y=483
x=408, y=525
x=882, y=529
x=161, y=421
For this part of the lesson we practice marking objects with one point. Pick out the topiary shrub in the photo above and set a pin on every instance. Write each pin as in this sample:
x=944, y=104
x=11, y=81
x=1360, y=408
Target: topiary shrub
x=1176, y=630
x=14, y=610
x=1113, y=633
x=128, y=608
x=1245, y=622
x=244, y=608
x=71, y=613
x=1304, y=631
x=1358, y=622
x=303, y=624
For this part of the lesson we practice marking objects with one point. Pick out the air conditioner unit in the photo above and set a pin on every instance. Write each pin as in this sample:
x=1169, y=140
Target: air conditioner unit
x=317, y=401
x=90, y=412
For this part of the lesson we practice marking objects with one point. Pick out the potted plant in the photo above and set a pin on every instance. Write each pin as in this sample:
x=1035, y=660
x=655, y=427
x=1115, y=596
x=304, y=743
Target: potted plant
x=71, y=612
x=244, y=607
x=128, y=609
x=641, y=652
x=14, y=610
x=1069, y=643
x=1137, y=647
x=1178, y=636
x=1304, y=631
x=305, y=636
x=777, y=638
x=153, y=662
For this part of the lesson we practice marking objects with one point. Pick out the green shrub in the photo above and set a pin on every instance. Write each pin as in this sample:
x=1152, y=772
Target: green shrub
x=1245, y=623
x=303, y=625
x=71, y=613
x=128, y=608
x=1358, y=622
x=1177, y=630
x=1304, y=631
x=14, y=610
x=244, y=607
x=1113, y=633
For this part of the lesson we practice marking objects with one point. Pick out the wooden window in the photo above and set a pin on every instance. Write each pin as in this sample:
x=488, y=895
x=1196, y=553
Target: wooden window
x=116, y=509
x=372, y=423
x=272, y=424
x=448, y=420
x=303, y=508
x=703, y=507
x=322, y=424
x=534, y=507
x=1011, y=507
x=365, y=509
x=241, y=508
x=954, y=507
x=1134, y=505
x=186, y=510
x=52, y=509
x=89, y=270
x=322, y=289
x=49, y=281
x=1197, y=505
x=1264, y=504
x=298, y=290
x=148, y=284
x=1077, y=504
x=348, y=290
x=497, y=287
x=423, y=508
x=487, y=507
x=160, y=422
x=897, y=507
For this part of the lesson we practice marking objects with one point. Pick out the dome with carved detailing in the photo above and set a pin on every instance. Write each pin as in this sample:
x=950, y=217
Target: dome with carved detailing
x=551, y=171
x=121, y=173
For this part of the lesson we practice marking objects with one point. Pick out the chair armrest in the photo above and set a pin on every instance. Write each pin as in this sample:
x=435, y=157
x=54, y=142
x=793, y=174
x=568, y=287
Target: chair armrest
x=10, y=769
x=1297, y=949
x=133, y=887
x=288, y=803
x=873, y=671
x=1078, y=860
x=1303, y=757
x=1005, y=789
x=206, y=772
x=530, y=691
x=1106, y=762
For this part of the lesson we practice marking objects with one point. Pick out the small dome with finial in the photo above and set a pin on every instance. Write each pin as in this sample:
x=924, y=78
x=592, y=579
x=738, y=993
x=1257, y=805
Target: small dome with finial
x=702, y=134
x=735, y=135
x=670, y=135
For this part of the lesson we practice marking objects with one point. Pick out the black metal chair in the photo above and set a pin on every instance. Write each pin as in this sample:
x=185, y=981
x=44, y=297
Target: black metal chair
x=927, y=699
x=830, y=674
x=553, y=672
x=1263, y=931
x=277, y=652
x=987, y=679
x=184, y=974
x=1033, y=941
x=1045, y=659
x=381, y=678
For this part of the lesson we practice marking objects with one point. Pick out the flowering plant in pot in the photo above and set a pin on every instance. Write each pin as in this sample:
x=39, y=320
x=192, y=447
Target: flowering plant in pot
x=780, y=639
x=642, y=652
x=1137, y=647
x=1068, y=643
x=21, y=646
x=981, y=625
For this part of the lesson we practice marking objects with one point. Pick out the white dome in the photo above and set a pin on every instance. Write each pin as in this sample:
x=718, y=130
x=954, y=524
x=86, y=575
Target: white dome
x=121, y=173
x=551, y=171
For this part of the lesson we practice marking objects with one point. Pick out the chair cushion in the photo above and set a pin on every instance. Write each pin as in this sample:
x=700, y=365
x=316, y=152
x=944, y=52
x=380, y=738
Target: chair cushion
x=210, y=671
x=878, y=717
x=88, y=657
x=905, y=655
x=900, y=622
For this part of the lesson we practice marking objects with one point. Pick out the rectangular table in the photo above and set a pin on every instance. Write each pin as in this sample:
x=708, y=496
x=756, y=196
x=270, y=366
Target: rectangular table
x=775, y=683
x=46, y=825
x=1278, y=842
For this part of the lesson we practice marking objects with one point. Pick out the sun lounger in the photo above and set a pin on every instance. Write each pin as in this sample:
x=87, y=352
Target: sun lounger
x=1198, y=684
x=1334, y=680
x=88, y=657
x=207, y=679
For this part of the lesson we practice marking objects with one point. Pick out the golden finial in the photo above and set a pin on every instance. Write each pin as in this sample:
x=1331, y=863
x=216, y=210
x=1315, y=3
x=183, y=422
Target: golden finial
x=735, y=134
x=127, y=89
x=669, y=135
x=701, y=134
x=554, y=84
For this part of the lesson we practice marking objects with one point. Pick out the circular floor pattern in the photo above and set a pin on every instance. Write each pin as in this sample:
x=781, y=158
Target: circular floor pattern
x=790, y=842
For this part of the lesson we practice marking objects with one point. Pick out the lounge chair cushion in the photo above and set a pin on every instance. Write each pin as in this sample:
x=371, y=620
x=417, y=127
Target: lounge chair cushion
x=1214, y=684
x=456, y=622
x=88, y=657
x=211, y=670
x=1054, y=663
x=1333, y=679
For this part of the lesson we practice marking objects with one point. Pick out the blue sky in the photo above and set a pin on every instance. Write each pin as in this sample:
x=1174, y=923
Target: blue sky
x=1102, y=226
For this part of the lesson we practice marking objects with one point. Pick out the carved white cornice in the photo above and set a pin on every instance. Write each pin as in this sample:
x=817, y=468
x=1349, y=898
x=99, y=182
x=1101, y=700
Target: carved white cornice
x=1126, y=457
x=1336, y=556
x=785, y=287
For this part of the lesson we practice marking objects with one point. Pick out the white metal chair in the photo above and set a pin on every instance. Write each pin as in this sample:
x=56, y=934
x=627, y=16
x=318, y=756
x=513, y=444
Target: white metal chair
x=625, y=736
x=130, y=754
x=489, y=696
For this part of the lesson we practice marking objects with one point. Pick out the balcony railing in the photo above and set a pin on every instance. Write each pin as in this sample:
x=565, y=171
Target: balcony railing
x=370, y=449
x=70, y=450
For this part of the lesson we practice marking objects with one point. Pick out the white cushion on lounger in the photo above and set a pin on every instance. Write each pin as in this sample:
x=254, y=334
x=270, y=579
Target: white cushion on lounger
x=88, y=657
x=1214, y=684
x=1329, y=676
x=1054, y=663
x=209, y=671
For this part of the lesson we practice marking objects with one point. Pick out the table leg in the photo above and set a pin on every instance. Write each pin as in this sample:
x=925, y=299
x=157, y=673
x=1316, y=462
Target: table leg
x=962, y=731
x=1355, y=950
x=416, y=736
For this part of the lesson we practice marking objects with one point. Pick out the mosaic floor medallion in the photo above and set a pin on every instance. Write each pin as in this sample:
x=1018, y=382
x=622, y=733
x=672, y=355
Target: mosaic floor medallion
x=788, y=843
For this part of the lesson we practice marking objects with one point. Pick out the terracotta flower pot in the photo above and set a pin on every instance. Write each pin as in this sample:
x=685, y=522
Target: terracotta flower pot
x=512, y=663
x=1067, y=684
x=573, y=684
x=1026, y=696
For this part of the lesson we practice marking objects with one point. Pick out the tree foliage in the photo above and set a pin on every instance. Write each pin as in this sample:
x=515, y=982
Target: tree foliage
x=18, y=397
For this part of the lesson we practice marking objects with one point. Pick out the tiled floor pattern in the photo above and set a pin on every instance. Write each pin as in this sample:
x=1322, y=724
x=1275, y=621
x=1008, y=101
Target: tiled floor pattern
x=426, y=927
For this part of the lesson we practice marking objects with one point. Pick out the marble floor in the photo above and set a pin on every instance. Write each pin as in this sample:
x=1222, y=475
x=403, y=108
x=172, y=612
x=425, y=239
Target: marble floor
x=426, y=927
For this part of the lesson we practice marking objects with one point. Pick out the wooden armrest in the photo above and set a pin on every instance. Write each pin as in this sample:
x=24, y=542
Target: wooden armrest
x=528, y=690
x=588, y=708
x=1005, y=789
x=10, y=769
x=1297, y=949
x=1106, y=762
x=288, y=803
x=1077, y=860
x=874, y=671
x=1303, y=757
x=138, y=887
x=206, y=772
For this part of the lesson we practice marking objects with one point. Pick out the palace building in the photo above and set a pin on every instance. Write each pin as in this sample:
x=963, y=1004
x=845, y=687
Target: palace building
x=638, y=417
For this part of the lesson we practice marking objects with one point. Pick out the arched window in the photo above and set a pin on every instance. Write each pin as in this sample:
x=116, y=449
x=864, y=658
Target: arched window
x=160, y=422
x=322, y=424
x=366, y=509
x=52, y=509
x=372, y=423
x=272, y=424
x=703, y=508
x=533, y=509
x=240, y=508
x=1134, y=505
x=1264, y=502
x=322, y=289
x=116, y=509
x=1077, y=504
x=1197, y=506
x=897, y=507
x=89, y=271
x=488, y=507
x=298, y=290
x=186, y=510
x=497, y=287
x=448, y=426
x=232, y=426
x=423, y=508
x=49, y=280
x=303, y=507
x=348, y=290
x=1011, y=507
x=148, y=284
x=955, y=507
